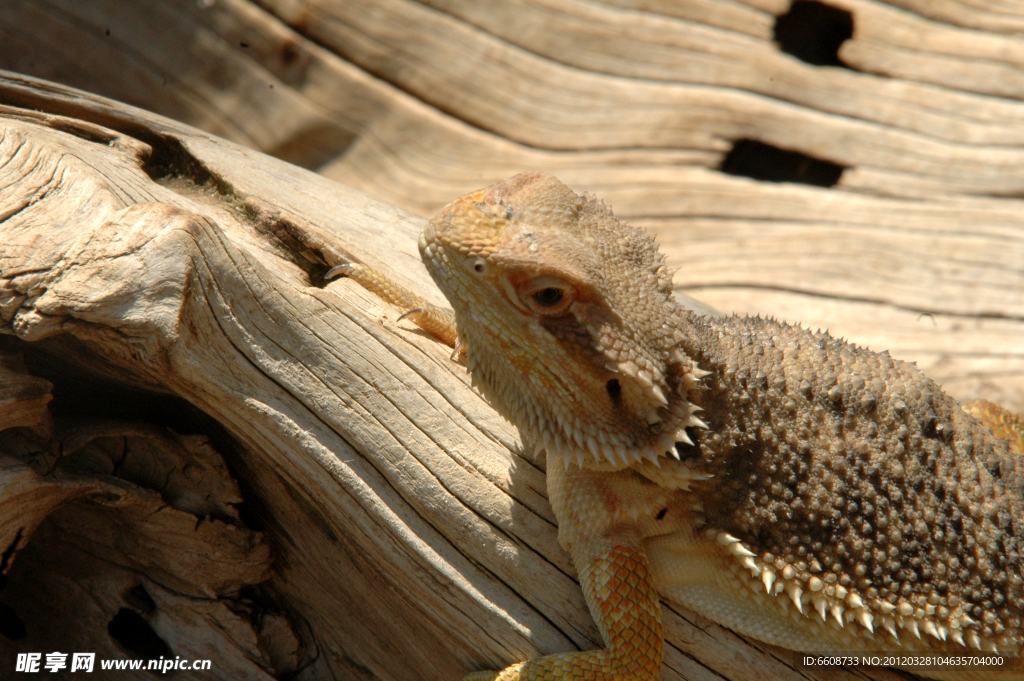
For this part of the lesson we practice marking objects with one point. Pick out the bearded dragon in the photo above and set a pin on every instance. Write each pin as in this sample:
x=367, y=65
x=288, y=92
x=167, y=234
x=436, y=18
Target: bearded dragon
x=793, y=487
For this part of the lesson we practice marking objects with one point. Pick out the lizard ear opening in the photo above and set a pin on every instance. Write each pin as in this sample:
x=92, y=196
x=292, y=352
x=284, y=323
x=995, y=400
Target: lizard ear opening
x=547, y=296
x=614, y=389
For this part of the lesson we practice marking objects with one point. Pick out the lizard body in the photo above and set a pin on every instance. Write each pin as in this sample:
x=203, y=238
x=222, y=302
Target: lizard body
x=793, y=487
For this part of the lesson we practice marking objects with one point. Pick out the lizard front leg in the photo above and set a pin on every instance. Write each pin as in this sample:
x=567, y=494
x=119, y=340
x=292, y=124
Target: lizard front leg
x=436, y=321
x=615, y=575
x=604, y=542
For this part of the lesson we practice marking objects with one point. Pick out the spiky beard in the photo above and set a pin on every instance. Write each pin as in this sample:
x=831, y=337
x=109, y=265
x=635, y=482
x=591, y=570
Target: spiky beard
x=581, y=443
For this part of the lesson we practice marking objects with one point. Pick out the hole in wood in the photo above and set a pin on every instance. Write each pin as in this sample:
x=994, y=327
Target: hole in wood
x=813, y=31
x=11, y=626
x=136, y=637
x=171, y=160
x=760, y=161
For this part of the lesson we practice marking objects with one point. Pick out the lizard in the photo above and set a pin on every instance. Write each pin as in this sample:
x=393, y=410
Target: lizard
x=791, y=486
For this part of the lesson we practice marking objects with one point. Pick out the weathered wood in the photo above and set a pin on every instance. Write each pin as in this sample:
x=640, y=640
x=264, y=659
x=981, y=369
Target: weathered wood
x=637, y=101
x=366, y=466
x=404, y=532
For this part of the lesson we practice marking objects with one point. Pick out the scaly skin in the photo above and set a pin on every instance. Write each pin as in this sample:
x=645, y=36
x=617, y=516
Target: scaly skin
x=828, y=498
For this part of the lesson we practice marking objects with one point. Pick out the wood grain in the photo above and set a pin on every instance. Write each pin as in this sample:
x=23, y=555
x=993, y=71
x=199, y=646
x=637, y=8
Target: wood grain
x=638, y=102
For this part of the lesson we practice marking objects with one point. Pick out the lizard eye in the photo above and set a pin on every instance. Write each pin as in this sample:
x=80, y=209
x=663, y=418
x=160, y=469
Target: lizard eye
x=547, y=295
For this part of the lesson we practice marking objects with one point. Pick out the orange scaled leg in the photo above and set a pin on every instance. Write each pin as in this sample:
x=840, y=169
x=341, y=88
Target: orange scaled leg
x=436, y=321
x=623, y=601
x=617, y=583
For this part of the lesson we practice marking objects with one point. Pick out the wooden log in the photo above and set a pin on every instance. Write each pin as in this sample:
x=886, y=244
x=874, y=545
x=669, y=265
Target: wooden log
x=915, y=250
x=390, y=522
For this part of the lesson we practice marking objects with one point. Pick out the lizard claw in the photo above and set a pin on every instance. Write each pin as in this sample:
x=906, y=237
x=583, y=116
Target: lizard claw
x=459, y=353
x=407, y=312
x=341, y=270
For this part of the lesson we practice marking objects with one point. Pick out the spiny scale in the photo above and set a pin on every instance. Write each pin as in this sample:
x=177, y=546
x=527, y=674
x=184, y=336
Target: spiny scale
x=775, y=577
x=851, y=488
x=615, y=455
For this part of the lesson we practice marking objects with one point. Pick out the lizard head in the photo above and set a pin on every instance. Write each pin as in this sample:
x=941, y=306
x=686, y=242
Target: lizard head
x=568, y=320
